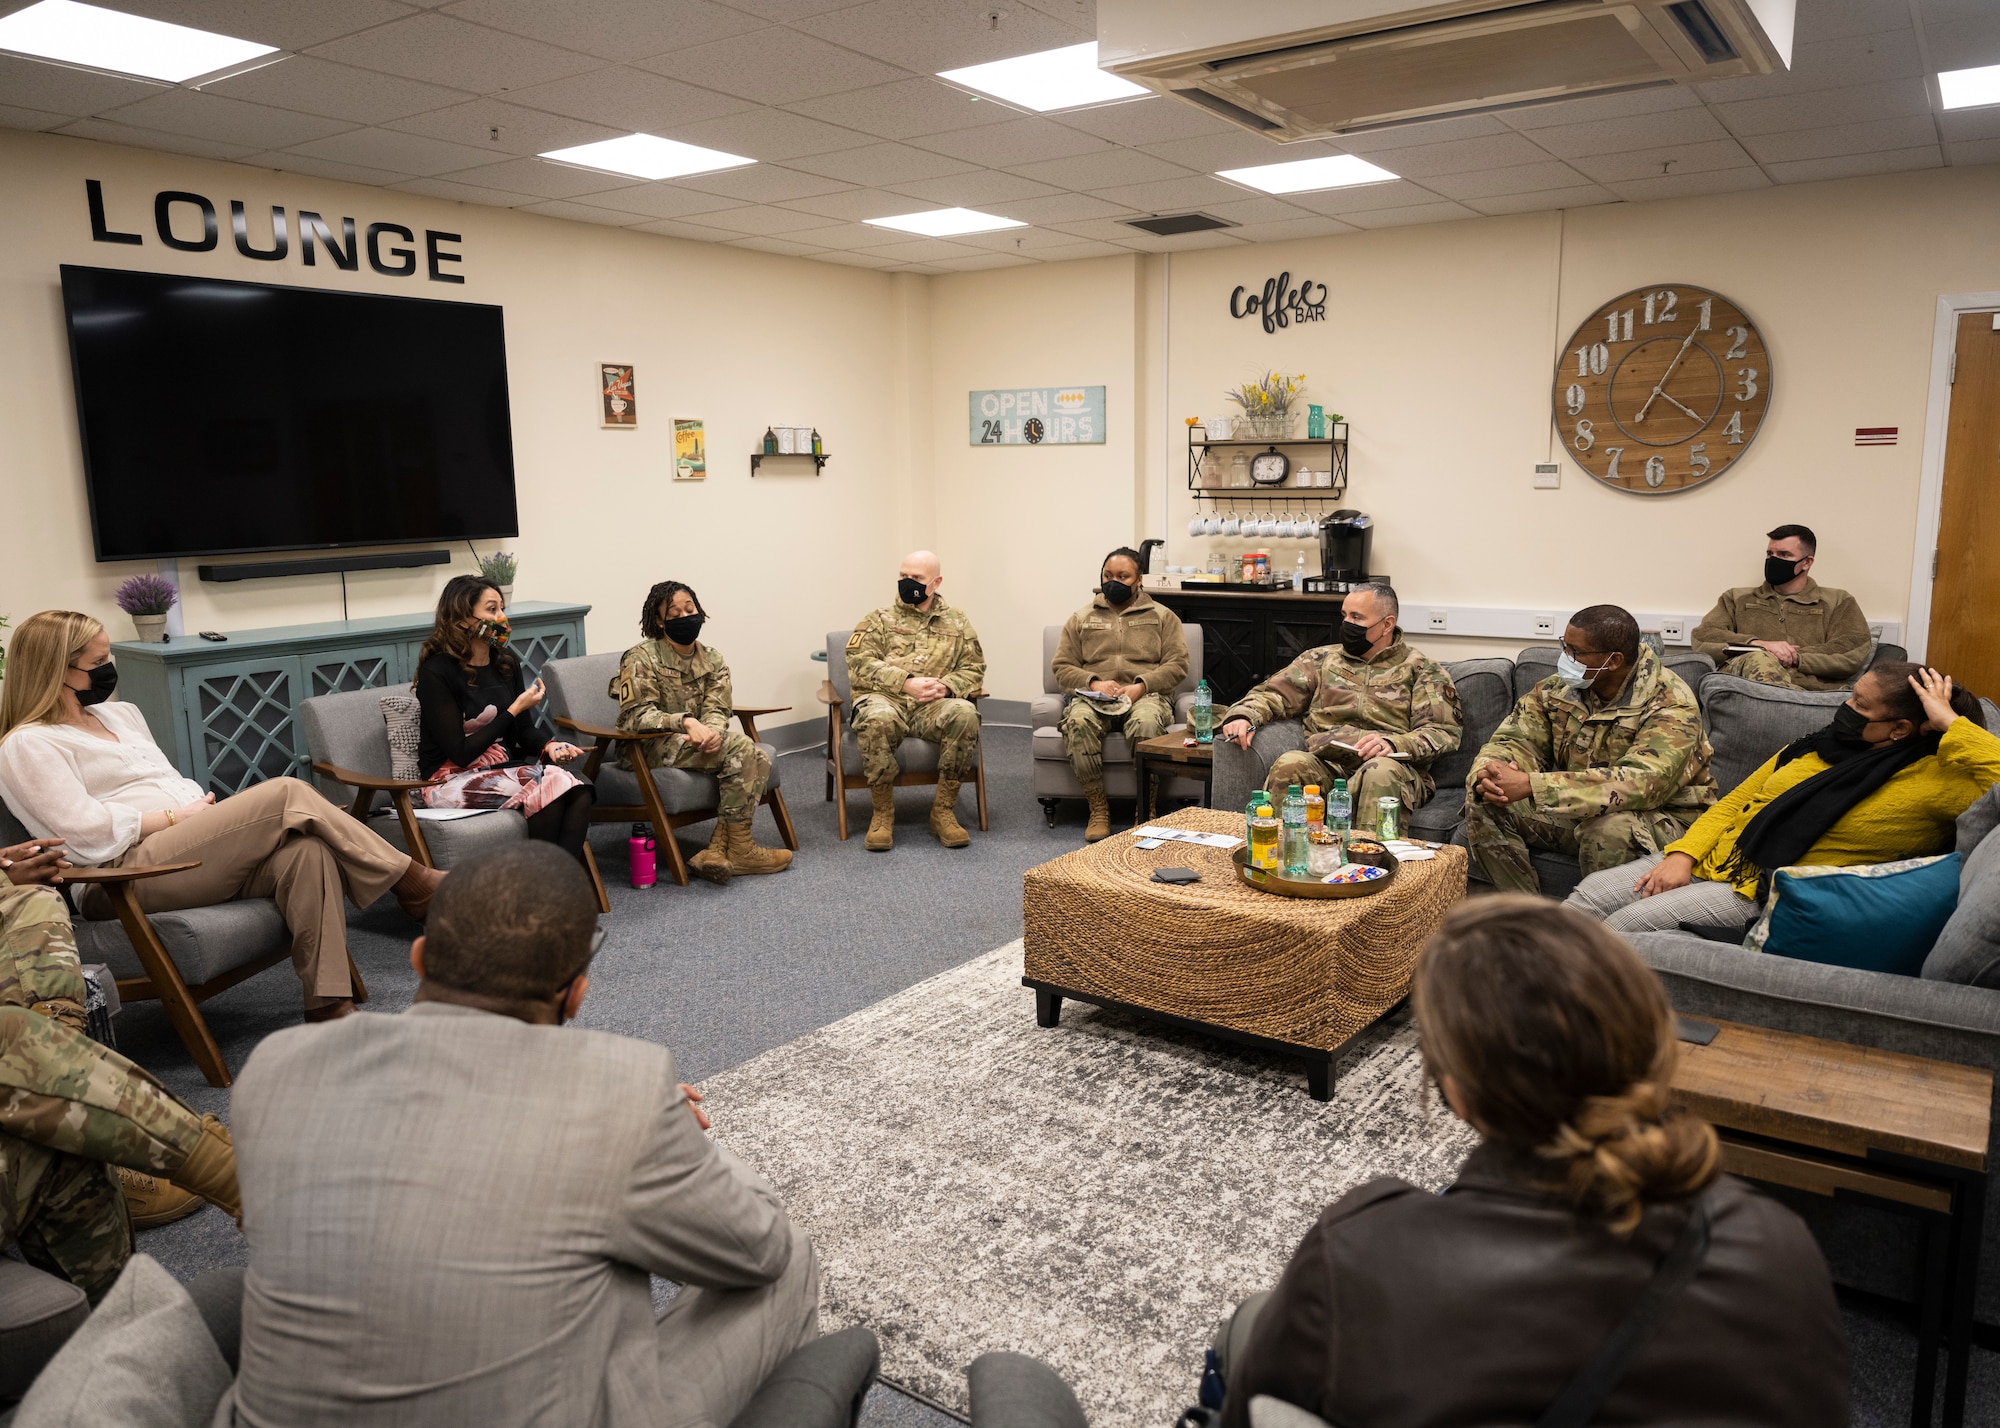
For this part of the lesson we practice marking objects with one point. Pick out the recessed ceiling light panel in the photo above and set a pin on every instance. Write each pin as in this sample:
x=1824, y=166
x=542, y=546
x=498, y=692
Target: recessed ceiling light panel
x=89, y=35
x=648, y=157
x=1067, y=78
x=1309, y=175
x=945, y=222
x=1970, y=88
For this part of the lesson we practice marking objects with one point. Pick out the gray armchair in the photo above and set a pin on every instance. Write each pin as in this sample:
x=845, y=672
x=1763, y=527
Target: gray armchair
x=1053, y=777
x=917, y=758
x=580, y=701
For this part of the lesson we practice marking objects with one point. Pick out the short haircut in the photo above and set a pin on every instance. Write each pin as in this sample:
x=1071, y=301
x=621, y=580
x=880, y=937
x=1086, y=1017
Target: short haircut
x=1611, y=629
x=514, y=924
x=1804, y=534
x=1385, y=598
x=1125, y=550
x=653, y=618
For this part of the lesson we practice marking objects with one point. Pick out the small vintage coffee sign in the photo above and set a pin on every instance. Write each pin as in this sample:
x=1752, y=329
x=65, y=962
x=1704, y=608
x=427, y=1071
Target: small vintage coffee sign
x=1038, y=416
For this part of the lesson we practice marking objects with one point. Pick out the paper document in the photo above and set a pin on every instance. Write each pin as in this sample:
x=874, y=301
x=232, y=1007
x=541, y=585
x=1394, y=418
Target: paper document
x=1739, y=649
x=1337, y=744
x=1150, y=842
x=446, y=815
x=1155, y=835
x=1099, y=697
x=1408, y=852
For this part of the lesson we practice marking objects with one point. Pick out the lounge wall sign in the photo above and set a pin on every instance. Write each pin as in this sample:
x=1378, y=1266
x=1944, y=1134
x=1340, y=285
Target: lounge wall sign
x=1281, y=304
x=188, y=223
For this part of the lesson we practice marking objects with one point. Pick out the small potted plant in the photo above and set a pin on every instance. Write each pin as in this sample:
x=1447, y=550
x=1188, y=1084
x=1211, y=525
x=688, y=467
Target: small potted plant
x=147, y=598
x=499, y=568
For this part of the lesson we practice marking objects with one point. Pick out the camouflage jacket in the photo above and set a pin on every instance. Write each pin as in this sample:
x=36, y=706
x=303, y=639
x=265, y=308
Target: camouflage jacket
x=657, y=687
x=1404, y=696
x=1826, y=624
x=1138, y=643
x=1586, y=756
x=900, y=642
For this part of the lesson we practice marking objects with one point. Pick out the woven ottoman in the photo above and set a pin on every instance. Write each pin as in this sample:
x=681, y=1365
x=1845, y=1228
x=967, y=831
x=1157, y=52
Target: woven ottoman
x=1294, y=975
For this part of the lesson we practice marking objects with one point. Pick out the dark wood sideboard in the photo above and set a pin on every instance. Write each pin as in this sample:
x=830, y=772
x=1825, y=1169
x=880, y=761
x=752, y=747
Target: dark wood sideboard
x=1249, y=635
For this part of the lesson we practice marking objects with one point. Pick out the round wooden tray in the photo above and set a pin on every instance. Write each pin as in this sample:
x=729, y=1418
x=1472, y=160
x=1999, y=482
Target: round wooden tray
x=1311, y=887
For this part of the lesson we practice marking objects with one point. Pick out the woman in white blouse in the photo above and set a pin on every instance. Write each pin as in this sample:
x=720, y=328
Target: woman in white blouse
x=75, y=767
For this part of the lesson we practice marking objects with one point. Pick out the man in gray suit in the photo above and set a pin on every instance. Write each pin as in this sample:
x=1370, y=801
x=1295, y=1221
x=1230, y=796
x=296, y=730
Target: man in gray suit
x=453, y=1213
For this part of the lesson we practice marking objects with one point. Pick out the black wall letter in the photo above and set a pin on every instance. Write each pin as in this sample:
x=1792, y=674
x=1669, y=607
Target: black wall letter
x=311, y=223
x=163, y=203
x=99, y=233
x=408, y=255
x=280, y=243
x=431, y=240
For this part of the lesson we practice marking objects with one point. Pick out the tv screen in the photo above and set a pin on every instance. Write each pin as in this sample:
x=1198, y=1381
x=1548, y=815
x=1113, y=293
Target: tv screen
x=221, y=417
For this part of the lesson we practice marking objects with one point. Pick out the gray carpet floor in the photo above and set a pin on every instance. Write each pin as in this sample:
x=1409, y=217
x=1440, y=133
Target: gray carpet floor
x=721, y=975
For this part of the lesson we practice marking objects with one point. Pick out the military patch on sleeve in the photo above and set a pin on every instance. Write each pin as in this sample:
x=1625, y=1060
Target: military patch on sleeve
x=853, y=640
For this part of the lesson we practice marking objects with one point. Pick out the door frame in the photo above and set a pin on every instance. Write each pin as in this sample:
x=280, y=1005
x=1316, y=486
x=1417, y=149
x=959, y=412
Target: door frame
x=1930, y=483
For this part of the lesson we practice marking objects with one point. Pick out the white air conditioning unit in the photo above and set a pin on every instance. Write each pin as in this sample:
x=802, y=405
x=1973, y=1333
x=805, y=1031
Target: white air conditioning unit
x=1307, y=69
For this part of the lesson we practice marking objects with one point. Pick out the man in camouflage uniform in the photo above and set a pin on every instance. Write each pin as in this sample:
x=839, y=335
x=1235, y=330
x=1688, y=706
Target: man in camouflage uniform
x=1604, y=759
x=1372, y=692
x=914, y=667
x=683, y=690
x=71, y=1109
x=1129, y=648
x=1805, y=635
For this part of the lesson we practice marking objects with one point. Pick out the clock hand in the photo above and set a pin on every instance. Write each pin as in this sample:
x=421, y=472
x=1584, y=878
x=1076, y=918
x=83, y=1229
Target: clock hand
x=1666, y=396
x=1663, y=381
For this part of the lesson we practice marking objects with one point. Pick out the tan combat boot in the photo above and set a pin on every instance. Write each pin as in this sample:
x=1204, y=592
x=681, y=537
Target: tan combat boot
x=210, y=1169
x=714, y=862
x=747, y=858
x=151, y=1201
x=1100, y=813
x=882, y=822
x=944, y=822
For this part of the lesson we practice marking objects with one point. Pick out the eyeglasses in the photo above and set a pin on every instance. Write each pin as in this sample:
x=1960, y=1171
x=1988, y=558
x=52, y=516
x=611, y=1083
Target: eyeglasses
x=1581, y=655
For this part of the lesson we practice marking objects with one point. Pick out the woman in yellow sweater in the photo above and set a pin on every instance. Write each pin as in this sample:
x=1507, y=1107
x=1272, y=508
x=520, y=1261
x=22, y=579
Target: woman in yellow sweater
x=1887, y=779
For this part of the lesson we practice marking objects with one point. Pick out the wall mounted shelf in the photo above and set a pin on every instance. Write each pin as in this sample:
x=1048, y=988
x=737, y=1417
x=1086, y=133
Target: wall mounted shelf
x=818, y=458
x=1335, y=447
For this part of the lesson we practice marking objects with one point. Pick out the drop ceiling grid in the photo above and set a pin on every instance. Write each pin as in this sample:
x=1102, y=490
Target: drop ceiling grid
x=837, y=103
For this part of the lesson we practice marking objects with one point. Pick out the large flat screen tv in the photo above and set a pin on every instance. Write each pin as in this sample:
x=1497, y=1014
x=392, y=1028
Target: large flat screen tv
x=222, y=417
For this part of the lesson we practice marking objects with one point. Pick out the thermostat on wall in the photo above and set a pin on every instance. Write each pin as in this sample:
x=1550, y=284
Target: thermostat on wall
x=1548, y=475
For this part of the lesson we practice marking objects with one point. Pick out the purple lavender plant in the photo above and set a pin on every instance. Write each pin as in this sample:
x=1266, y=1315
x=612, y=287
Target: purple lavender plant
x=146, y=595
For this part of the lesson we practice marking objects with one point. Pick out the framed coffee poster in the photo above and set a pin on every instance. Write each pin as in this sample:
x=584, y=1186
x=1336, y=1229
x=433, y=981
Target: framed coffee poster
x=690, y=450
x=615, y=388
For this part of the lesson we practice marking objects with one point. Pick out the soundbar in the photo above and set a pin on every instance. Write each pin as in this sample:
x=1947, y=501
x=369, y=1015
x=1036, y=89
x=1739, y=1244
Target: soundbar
x=330, y=565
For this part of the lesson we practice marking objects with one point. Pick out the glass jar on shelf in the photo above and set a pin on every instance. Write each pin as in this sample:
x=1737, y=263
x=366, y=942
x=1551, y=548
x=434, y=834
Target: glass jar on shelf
x=1239, y=472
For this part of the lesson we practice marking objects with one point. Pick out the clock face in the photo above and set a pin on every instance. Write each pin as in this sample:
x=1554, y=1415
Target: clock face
x=1662, y=388
x=1034, y=430
x=1269, y=468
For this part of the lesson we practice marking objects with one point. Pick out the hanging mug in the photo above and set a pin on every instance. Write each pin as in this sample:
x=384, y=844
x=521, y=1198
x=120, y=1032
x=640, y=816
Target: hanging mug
x=1197, y=526
x=1230, y=526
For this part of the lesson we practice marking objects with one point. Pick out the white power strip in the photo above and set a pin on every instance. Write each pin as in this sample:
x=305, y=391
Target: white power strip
x=1546, y=626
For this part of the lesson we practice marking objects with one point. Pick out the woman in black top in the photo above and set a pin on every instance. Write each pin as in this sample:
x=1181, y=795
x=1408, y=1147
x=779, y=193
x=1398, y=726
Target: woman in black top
x=479, y=728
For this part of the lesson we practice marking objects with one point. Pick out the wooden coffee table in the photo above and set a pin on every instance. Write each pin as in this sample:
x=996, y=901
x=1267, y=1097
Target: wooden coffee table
x=1291, y=975
x=1902, y=1131
x=1172, y=755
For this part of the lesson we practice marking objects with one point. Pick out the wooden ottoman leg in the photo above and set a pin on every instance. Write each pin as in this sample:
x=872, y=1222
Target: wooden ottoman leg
x=1048, y=1008
x=1319, y=1077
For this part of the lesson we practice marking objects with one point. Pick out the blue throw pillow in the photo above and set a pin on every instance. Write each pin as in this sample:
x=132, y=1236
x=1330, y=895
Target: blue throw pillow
x=1881, y=917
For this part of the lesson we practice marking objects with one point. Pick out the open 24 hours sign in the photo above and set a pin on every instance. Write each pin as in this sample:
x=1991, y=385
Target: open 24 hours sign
x=1038, y=416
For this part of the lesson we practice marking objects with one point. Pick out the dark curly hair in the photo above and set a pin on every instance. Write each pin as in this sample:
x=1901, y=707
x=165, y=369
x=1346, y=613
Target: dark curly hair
x=455, y=607
x=653, y=615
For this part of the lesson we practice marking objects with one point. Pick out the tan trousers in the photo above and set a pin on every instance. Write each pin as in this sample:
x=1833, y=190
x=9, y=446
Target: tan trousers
x=280, y=840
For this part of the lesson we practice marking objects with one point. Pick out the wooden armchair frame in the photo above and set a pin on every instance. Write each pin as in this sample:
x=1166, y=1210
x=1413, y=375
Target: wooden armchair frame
x=650, y=809
x=839, y=782
x=366, y=786
x=163, y=981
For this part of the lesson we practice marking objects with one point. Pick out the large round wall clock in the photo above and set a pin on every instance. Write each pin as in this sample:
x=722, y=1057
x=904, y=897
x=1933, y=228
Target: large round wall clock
x=1662, y=388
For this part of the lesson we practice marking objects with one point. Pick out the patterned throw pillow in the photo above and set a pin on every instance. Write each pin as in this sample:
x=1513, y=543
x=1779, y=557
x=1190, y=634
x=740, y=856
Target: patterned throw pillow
x=399, y=714
x=1879, y=917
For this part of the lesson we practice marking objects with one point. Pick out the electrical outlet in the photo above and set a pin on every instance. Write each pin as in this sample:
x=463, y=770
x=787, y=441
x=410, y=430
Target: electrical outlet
x=1548, y=476
x=1875, y=628
x=1438, y=623
x=1674, y=632
x=1545, y=626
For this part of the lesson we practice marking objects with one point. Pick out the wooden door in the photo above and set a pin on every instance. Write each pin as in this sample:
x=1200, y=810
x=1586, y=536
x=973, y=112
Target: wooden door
x=1964, y=637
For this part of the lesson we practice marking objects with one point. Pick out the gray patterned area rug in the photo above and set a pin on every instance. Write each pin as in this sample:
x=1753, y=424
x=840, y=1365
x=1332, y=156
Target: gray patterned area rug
x=1096, y=1194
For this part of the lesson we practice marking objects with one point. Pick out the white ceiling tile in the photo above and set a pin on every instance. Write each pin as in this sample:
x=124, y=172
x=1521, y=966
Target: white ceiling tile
x=924, y=250
x=882, y=164
x=1891, y=99
x=523, y=132
x=541, y=178
x=852, y=260
x=1246, y=211
x=629, y=100
x=387, y=149
x=1459, y=156
x=852, y=205
x=1515, y=178
x=1588, y=196
x=846, y=236
x=337, y=91
x=1971, y=123
x=610, y=29
x=1089, y=172
x=1594, y=108
x=1070, y=252
x=1154, y=119
x=905, y=109
x=1174, y=195
x=1615, y=136
x=663, y=200
x=1101, y=230
x=57, y=89
x=782, y=11
x=1018, y=141
x=1966, y=43
x=1854, y=165
x=1874, y=136
x=1339, y=202
x=1290, y=229
x=773, y=245
x=1234, y=150
x=1431, y=131
x=1668, y=160
x=679, y=228
x=777, y=66
x=1694, y=185
x=225, y=121
x=990, y=260
x=463, y=192
x=976, y=189
x=13, y=118
x=769, y=135
x=442, y=50
x=1417, y=213
x=1835, y=19
x=1080, y=13
x=932, y=35
x=1057, y=208
x=1829, y=64
x=1017, y=240
x=759, y=219
x=108, y=132
x=1974, y=151
x=325, y=168
x=576, y=212
x=288, y=26
x=920, y=269
x=761, y=183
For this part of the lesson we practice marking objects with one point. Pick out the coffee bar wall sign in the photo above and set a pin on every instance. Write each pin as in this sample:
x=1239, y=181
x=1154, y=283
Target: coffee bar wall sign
x=1038, y=416
x=1280, y=304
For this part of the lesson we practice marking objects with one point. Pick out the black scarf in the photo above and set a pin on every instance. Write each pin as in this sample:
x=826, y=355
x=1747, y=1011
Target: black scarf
x=1785, y=829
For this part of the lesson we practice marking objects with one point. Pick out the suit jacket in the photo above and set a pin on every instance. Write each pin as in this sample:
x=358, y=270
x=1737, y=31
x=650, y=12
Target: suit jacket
x=452, y=1216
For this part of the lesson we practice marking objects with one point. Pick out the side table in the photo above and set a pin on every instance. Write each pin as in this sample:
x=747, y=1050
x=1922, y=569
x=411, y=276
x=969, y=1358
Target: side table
x=1195, y=761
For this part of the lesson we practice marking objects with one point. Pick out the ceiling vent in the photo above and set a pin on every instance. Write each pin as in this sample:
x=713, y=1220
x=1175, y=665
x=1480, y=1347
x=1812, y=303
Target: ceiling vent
x=1307, y=69
x=1169, y=225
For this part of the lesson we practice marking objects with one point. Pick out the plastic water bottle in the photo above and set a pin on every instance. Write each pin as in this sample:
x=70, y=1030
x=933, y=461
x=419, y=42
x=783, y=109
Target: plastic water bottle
x=1340, y=810
x=1258, y=798
x=1315, y=814
x=1202, y=717
x=644, y=854
x=1299, y=575
x=1295, y=852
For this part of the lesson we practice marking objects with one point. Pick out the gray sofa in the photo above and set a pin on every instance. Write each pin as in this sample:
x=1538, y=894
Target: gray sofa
x=1053, y=777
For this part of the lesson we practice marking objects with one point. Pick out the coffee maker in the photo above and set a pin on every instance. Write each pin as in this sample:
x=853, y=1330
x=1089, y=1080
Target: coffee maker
x=1344, y=537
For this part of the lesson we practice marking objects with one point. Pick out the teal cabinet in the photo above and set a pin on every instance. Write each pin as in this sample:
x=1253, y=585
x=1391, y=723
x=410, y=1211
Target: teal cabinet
x=227, y=714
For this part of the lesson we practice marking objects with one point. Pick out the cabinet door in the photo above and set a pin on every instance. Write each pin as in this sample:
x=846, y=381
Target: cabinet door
x=343, y=669
x=243, y=721
x=538, y=643
x=1232, y=658
x=1292, y=636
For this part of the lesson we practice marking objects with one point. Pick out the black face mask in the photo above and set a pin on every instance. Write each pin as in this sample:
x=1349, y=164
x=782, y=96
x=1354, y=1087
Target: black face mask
x=1116, y=591
x=910, y=592
x=103, y=680
x=683, y=629
x=1354, y=638
x=1849, y=727
x=1778, y=570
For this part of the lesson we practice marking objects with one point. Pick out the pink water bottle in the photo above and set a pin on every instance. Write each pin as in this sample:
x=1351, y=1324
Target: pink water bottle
x=644, y=858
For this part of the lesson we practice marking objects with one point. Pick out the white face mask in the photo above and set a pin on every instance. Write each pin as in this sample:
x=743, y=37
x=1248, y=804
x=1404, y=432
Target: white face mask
x=1570, y=670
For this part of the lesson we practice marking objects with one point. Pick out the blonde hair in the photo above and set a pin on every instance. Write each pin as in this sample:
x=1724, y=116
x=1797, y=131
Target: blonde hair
x=38, y=656
x=1561, y=1041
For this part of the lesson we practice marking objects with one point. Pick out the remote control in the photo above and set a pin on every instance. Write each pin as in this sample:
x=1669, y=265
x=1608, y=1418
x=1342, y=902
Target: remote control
x=214, y=638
